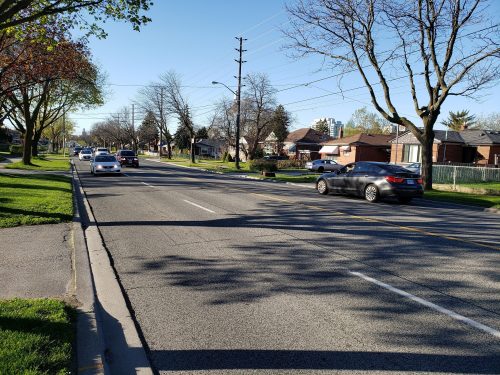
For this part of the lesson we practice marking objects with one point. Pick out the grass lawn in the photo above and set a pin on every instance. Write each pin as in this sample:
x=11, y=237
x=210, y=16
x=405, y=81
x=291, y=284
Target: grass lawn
x=34, y=199
x=36, y=336
x=212, y=165
x=44, y=163
x=484, y=185
x=464, y=198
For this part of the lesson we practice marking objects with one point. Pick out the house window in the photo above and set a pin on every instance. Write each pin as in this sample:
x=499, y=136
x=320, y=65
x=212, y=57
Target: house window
x=412, y=153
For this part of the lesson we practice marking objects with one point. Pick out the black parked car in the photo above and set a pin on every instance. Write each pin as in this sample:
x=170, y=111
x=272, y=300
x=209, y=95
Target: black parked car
x=372, y=180
x=128, y=158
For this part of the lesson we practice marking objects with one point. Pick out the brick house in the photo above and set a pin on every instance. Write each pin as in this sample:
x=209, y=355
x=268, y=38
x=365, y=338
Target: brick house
x=358, y=147
x=467, y=146
x=305, y=143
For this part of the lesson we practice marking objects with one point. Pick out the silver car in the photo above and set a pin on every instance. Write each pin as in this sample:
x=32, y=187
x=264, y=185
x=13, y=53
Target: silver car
x=323, y=165
x=105, y=164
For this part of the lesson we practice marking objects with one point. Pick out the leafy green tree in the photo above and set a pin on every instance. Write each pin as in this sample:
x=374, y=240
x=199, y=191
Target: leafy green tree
x=202, y=133
x=148, y=130
x=21, y=12
x=280, y=124
x=322, y=126
x=456, y=120
x=182, y=138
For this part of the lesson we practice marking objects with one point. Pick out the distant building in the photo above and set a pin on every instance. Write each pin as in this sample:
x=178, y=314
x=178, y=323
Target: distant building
x=335, y=128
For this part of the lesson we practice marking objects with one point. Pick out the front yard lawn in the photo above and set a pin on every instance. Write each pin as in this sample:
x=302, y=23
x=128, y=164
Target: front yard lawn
x=464, y=198
x=34, y=199
x=42, y=163
x=36, y=336
x=211, y=165
x=484, y=185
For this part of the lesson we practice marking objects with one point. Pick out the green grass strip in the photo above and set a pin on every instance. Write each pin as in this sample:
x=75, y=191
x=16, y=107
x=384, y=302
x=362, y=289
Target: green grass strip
x=34, y=199
x=36, y=336
x=49, y=163
x=464, y=198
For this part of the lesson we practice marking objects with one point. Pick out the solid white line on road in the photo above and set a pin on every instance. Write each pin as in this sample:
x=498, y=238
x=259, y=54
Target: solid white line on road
x=197, y=205
x=145, y=183
x=431, y=305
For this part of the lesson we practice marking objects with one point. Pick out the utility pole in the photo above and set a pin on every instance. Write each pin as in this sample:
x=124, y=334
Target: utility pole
x=161, y=120
x=238, y=102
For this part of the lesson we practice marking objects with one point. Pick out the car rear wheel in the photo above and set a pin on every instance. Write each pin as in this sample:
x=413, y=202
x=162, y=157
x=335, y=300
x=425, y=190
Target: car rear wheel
x=322, y=187
x=371, y=193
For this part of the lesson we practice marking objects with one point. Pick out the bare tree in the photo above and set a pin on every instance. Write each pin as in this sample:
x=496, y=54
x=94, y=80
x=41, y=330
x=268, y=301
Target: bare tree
x=153, y=101
x=258, y=107
x=177, y=105
x=223, y=123
x=446, y=47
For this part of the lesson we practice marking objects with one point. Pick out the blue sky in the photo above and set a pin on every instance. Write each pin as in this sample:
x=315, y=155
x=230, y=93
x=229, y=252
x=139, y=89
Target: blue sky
x=195, y=38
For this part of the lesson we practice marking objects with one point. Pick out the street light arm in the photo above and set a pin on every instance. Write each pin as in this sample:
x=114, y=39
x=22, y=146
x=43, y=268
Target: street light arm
x=223, y=84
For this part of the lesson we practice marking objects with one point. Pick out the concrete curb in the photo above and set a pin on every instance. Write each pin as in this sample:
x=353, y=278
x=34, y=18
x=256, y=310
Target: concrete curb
x=90, y=346
x=122, y=350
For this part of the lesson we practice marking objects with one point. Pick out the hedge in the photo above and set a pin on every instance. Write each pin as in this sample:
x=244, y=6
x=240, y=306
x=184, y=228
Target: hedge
x=263, y=165
x=291, y=163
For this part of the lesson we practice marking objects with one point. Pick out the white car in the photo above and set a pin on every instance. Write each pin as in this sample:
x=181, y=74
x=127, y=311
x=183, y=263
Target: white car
x=101, y=151
x=323, y=165
x=105, y=164
x=85, y=154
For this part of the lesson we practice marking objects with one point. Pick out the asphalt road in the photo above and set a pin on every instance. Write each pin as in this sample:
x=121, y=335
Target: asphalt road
x=234, y=276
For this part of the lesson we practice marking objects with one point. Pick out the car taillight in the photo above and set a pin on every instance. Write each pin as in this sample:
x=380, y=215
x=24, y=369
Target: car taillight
x=394, y=180
x=420, y=181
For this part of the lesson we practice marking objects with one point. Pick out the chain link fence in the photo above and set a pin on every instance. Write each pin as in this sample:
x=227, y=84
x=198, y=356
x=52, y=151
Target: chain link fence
x=453, y=174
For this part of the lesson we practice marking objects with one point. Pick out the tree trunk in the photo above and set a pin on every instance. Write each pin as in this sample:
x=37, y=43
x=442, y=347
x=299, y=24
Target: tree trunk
x=34, y=146
x=169, y=149
x=28, y=139
x=426, y=169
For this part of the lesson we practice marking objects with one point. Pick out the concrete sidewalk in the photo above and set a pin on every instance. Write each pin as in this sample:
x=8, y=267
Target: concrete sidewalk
x=36, y=261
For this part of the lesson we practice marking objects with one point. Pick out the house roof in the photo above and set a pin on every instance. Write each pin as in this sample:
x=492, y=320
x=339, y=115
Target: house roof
x=440, y=136
x=472, y=137
x=363, y=139
x=479, y=137
x=307, y=135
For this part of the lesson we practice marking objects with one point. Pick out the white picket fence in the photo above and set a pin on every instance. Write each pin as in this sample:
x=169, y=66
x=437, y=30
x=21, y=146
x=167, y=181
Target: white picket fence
x=454, y=174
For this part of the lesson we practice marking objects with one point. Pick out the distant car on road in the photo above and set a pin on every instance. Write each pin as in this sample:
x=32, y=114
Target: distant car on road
x=413, y=167
x=85, y=154
x=323, y=165
x=76, y=150
x=372, y=180
x=101, y=151
x=104, y=164
x=127, y=157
